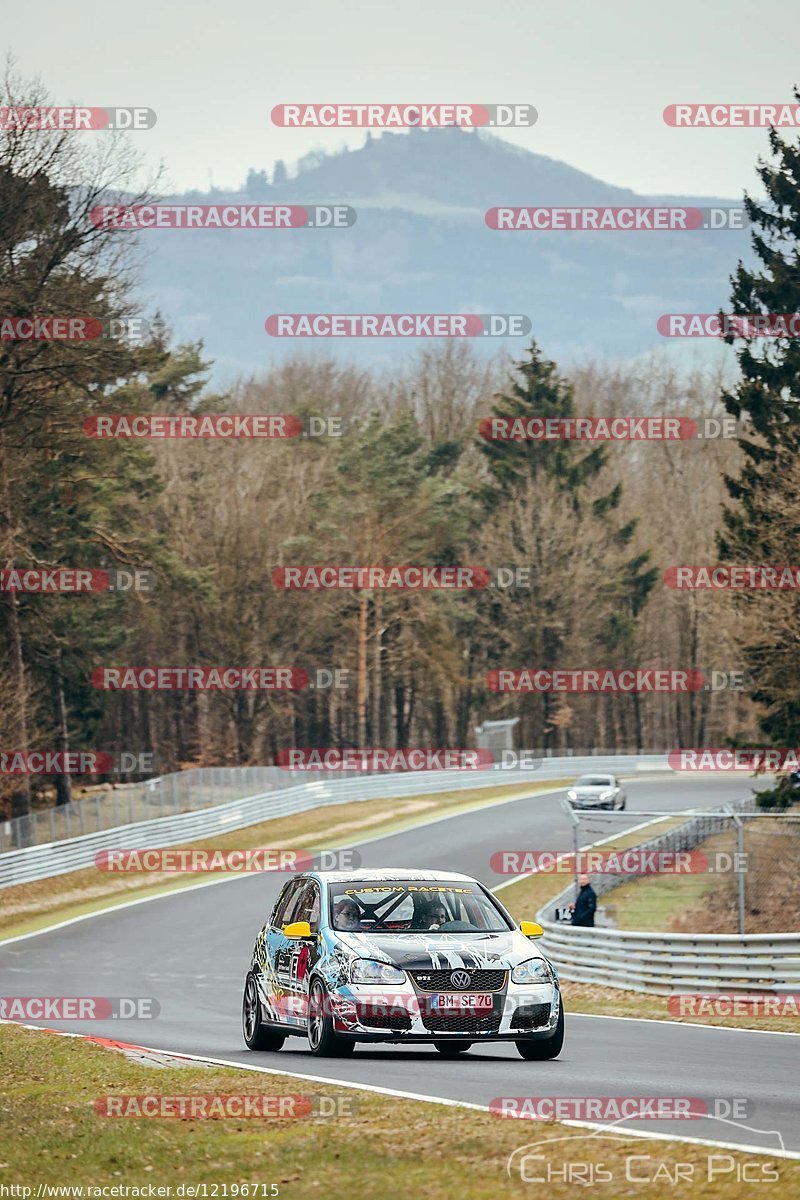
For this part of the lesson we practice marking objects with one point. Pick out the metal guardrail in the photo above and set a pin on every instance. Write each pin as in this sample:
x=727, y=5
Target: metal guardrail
x=125, y=804
x=666, y=963
x=188, y=791
x=29, y=863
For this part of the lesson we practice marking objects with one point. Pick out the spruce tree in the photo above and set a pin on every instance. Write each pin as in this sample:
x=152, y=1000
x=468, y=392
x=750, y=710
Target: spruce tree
x=546, y=627
x=762, y=525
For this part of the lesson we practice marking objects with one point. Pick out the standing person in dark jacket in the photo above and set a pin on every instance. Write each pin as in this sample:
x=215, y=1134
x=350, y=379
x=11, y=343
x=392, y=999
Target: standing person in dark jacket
x=586, y=903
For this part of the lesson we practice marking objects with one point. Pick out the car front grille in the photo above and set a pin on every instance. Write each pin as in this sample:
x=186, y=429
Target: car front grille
x=448, y=1021
x=480, y=980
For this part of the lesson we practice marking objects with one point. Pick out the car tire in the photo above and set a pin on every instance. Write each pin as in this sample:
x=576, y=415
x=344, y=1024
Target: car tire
x=622, y=805
x=535, y=1050
x=257, y=1035
x=322, y=1040
x=451, y=1049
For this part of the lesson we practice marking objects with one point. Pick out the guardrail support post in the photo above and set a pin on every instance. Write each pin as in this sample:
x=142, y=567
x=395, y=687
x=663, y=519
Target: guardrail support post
x=576, y=823
x=740, y=867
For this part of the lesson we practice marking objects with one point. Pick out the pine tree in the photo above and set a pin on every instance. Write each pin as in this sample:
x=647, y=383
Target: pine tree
x=762, y=526
x=564, y=524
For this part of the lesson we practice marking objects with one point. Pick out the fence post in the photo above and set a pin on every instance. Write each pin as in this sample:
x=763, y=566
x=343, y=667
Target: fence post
x=740, y=867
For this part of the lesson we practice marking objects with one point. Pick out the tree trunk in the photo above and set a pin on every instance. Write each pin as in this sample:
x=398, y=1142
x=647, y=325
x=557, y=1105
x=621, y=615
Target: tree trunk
x=16, y=657
x=20, y=689
x=377, y=673
x=361, y=670
x=62, y=781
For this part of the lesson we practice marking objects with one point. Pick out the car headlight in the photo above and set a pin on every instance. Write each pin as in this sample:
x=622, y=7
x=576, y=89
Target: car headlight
x=369, y=970
x=535, y=970
x=606, y=795
x=572, y=794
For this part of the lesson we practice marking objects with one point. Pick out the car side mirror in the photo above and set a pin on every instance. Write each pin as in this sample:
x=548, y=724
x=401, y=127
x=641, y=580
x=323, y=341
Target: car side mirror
x=531, y=929
x=297, y=930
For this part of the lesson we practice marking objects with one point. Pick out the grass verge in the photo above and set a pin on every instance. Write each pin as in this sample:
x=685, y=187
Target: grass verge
x=695, y=903
x=387, y=1147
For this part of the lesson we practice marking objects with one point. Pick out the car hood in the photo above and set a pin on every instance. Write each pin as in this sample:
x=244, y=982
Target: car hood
x=412, y=951
x=593, y=789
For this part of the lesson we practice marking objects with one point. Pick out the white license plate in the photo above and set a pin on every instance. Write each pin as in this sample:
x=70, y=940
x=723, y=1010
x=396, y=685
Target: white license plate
x=458, y=1003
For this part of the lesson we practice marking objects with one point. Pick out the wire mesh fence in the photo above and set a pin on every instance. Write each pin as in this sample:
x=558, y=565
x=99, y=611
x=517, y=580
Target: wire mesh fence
x=127, y=804
x=206, y=787
x=733, y=870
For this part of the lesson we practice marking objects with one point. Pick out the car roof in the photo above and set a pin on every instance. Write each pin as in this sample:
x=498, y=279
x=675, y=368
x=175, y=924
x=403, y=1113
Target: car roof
x=389, y=875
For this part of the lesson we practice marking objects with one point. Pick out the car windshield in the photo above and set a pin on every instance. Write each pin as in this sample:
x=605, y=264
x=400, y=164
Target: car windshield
x=594, y=781
x=414, y=906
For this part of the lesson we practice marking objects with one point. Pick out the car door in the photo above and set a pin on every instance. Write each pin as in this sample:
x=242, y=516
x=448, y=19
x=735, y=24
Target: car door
x=272, y=943
x=293, y=958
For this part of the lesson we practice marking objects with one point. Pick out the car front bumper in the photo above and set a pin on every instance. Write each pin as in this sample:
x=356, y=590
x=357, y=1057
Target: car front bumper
x=406, y=1015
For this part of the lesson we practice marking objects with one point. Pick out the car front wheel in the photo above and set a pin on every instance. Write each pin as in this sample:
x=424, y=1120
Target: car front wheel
x=257, y=1035
x=321, y=1037
x=535, y=1050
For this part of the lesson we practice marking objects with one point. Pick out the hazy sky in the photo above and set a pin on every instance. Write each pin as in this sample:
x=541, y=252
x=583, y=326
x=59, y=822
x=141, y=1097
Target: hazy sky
x=599, y=74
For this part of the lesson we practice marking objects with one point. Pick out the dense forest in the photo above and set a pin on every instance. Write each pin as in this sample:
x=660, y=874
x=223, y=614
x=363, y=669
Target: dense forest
x=400, y=474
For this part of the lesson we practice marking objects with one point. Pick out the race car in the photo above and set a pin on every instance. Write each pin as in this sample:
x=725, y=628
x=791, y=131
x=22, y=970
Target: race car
x=404, y=956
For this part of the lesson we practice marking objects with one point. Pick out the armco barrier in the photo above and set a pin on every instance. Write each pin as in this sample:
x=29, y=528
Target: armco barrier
x=71, y=854
x=678, y=962
x=665, y=963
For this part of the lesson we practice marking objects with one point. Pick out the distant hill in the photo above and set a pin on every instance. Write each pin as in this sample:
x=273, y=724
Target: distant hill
x=420, y=244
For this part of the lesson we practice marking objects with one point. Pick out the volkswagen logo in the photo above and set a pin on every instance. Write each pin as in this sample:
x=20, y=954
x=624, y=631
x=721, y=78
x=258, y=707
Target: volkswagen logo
x=460, y=979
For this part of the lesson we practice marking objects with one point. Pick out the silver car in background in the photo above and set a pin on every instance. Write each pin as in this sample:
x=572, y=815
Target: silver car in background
x=597, y=791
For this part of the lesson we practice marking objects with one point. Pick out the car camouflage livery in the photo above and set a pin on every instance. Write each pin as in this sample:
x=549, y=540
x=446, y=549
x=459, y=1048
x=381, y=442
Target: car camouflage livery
x=596, y=791
x=399, y=956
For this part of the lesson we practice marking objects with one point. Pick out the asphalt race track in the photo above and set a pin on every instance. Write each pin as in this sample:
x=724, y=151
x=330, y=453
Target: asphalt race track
x=190, y=951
